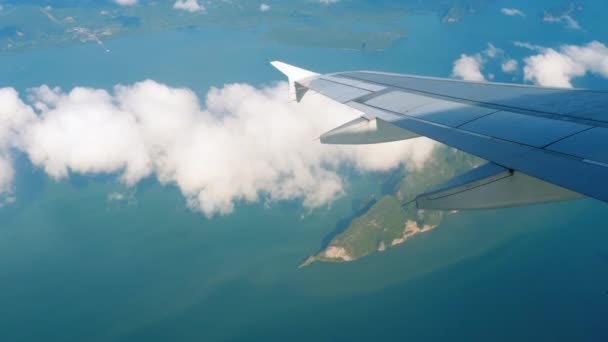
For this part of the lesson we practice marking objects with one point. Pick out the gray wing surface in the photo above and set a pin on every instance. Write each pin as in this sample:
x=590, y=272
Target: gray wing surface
x=551, y=141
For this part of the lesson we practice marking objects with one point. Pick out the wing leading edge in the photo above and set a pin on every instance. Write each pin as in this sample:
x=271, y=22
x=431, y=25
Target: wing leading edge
x=542, y=144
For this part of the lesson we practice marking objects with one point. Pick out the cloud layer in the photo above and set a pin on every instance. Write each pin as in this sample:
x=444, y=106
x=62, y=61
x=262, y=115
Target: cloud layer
x=247, y=144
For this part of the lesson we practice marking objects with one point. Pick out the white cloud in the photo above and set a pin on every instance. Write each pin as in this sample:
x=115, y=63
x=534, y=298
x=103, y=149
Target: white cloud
x=509, y=66
x=188, y=5
x=82, y=131
x=14, y=116
x=557, y=68
x=492, y=51
x=469, y=68
x=116, y=197
x=529, y=46
x=246, y=145
x=552, y=68
x=7, y=173
x=264, y=7
x=594, y=56
x=566, y=19
x=126, y=2
x=7, y=200
x=327, y=2
x=512, y=12
x=563, y=16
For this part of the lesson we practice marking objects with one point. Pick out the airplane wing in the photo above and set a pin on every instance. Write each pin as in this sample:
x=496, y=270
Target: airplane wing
x=542, y=144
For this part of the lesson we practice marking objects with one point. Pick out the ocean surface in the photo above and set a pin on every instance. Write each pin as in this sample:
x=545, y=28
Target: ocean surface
x=76, y=267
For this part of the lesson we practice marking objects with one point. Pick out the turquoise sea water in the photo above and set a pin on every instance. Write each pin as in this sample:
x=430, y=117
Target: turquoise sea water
x=74, y=267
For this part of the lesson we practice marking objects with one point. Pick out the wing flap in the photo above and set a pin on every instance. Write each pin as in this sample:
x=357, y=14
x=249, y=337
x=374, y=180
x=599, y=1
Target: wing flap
x=491, y=186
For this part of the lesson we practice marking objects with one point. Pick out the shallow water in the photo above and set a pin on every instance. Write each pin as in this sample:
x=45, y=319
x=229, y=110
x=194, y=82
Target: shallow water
x=75, y=267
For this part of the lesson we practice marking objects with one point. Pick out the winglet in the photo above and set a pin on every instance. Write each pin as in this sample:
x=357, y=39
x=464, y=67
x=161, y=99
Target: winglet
x=293, y=72
x=297, y=77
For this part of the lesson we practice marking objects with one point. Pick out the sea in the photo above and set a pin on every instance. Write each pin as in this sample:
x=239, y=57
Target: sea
x=76, y=267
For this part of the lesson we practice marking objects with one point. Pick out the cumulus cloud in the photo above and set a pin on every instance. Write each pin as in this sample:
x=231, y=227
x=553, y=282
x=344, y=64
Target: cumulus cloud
x=245, y=144
x=125, y=2
x=594, y=56
x=327, y=2
x=14, y=116
x=552, y=68
x=512, y=12
x=83, y=132
x=189, y=5
x=509, y=66
x=264, y=7
x=469, y=68
x=557, y=68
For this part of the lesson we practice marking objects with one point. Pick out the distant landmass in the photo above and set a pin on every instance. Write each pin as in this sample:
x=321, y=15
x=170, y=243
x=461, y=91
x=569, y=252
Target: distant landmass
x=33, y=24
x=394, y=218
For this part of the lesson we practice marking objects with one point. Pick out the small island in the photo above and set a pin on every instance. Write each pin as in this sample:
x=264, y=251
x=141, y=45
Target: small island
x=394, y=218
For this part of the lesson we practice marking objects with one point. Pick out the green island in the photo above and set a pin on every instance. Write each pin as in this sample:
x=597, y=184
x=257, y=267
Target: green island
x=394, y=219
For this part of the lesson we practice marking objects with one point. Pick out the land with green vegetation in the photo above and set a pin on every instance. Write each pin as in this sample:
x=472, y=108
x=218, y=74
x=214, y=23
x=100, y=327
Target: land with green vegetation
x=394, y=218
x=353, y=25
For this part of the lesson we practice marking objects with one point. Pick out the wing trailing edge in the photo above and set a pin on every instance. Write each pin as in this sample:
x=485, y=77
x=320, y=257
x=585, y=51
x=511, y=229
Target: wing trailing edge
x=492, y=186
